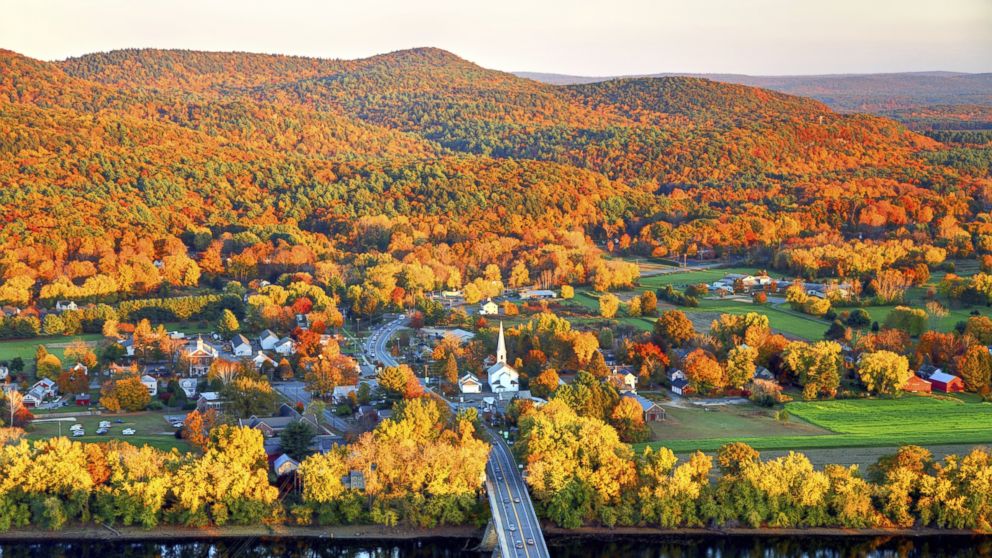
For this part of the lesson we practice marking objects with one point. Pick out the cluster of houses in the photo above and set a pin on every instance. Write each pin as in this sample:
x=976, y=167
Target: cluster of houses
x=502, y=379
x=199, y=352
x=749, y=284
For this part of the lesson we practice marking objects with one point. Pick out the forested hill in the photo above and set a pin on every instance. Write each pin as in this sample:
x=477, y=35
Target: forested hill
x=131, y=152
x=873, y=93
x=631, y=130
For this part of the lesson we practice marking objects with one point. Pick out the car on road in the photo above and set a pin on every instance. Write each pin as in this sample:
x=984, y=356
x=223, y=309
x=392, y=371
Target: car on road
x=512, y=528
x=530, y=542
x=128, y=432
x=506, y=500
x=516, y=499
x=520, y=544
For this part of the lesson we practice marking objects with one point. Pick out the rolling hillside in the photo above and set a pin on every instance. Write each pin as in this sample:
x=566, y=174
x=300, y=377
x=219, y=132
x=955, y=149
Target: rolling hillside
x=133, y=151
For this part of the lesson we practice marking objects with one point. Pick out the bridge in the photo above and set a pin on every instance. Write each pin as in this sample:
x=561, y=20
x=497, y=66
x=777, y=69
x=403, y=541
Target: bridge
x=514, y=522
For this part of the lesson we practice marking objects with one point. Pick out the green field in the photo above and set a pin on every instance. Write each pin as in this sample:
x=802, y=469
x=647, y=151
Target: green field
x=25, y=348
x=781, y=318
x=859, y=423
x=150, y=428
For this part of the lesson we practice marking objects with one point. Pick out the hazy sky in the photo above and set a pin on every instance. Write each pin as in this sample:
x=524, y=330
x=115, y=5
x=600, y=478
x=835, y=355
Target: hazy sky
x=583, y=37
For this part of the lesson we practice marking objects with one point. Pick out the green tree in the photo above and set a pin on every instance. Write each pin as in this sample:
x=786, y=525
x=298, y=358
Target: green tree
x=228, y=323
x=296, y=439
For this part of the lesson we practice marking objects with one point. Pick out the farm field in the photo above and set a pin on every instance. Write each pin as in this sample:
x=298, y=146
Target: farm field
x=150, y=428
x=856, y=423
x=745, y=420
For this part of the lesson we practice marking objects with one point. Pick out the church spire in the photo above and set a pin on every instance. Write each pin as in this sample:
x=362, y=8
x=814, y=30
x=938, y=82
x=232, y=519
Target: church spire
x=501, y=346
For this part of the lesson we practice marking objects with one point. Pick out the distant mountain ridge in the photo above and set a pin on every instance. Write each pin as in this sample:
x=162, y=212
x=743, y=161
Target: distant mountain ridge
x=846, y=92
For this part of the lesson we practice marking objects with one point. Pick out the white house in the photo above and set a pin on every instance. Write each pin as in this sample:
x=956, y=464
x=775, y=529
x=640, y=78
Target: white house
x=268, y=340
x=261, y=359
x=189, y=386
x=128, y=345
x=284, y=464
x=151, y=384
x=625, y=382
x=65, y=305
x=284, y=346
x=4, y=372
x=502, y=376
x=343, y=392
x=240, y=346
x=469, y=383
x=679, y=386
x=489, y=308
x=537, y=294
x=79, y=368
x=41, y=390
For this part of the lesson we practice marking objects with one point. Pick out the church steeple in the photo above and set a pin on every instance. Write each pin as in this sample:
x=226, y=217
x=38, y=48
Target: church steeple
x=501, y=346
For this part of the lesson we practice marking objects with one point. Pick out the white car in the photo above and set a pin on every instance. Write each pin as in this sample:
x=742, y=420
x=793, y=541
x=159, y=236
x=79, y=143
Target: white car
x=104, y=424
x=75, y=427
x=128, y=432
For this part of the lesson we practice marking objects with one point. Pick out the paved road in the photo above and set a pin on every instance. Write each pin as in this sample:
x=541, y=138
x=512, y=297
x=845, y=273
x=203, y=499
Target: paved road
x=297, y=393
x=513, y=512
x=376, y=343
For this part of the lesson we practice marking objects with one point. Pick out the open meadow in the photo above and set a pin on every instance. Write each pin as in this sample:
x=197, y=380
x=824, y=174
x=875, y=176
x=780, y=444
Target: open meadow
x=847, y=423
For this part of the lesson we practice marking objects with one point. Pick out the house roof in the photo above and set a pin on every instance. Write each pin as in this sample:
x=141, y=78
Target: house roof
x=943, y=377
x=239, y=340
x=469, y=378
x=645, y=403
x=284, y=459
x=679, y=383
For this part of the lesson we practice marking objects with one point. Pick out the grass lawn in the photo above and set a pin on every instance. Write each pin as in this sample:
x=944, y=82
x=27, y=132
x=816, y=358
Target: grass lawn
x=683, y=279
x=910, y=419
x=150, y=428
x=25, y=348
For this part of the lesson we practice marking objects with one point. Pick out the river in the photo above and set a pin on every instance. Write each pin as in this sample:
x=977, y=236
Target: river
x=667, y=547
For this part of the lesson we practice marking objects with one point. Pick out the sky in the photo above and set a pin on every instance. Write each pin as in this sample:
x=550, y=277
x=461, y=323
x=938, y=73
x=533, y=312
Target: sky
x=580, y=37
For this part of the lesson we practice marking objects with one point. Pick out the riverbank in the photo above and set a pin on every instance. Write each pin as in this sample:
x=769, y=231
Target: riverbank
x=400, y=533
x=647, y=532
x=175, y=533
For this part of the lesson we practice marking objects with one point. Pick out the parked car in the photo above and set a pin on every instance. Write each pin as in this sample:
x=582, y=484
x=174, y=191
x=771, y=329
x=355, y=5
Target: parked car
x=128, y=432
x=102, y=431
x=80, y=432
x=75, y=427
x=104, y=424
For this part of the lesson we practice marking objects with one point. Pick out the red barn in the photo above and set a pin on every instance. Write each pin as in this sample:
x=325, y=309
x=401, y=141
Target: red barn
x=942, y=381
x=916, y=384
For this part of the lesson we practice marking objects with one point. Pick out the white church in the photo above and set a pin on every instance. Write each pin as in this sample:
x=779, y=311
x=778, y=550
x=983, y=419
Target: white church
x=502, y=376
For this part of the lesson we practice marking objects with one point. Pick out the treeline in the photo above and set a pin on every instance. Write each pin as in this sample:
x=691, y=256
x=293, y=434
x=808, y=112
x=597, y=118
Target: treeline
x=412, y=471
x=181, y=308
x=581, y=473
